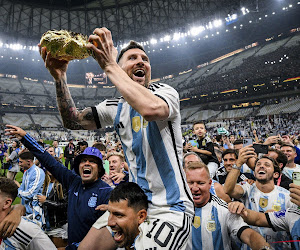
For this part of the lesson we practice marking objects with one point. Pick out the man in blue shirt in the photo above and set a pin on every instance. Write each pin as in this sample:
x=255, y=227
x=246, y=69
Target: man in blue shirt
x=85, y=187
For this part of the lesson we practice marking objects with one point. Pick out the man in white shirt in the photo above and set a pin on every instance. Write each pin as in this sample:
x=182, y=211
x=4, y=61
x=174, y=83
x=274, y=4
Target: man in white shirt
x=262, y=195
x=147, y=120
x=214, y=226
x=291, y=166
x=28, y=235
x=59, y=153
x=285, y=220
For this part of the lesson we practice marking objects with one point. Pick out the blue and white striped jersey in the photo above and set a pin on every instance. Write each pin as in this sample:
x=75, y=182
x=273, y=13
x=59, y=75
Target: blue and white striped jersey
x=214, y=226
x=289, y=171
x=286, y=220
x=28, y=236
x=245, y=169
x=32, y=185
x=153, y=150
x=277, y=200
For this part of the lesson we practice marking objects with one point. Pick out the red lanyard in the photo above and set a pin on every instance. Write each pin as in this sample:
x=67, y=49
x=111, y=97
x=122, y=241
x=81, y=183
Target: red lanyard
x=279, y=180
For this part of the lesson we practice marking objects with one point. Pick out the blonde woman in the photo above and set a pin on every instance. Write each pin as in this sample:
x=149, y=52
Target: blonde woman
x=55, y=202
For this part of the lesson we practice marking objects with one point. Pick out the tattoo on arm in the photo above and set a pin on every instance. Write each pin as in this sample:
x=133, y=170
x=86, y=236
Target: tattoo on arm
x=66, y=106
x=72, y=118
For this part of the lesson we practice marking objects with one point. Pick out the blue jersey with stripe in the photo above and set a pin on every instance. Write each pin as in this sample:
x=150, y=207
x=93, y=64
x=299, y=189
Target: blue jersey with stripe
x=287, y=220
x=214, y=226
x=32, y=185
x=278, y=199
x=153, y=150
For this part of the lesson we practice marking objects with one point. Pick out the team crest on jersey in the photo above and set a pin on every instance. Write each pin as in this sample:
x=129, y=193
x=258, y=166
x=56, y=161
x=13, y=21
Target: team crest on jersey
x=211, y=226
x=263, y=202
x=136, y=123
x=92, y=201
x=197, y=222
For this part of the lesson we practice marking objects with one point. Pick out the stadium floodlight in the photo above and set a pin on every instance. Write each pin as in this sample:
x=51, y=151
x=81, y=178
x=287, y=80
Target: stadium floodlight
x=15, y=46
x=209, y=25
x=217, y=23
x=153, y=41
x=273, y=13
x=290, y=6
x=167, y=38
x=197, y=30
x=244, y=10
x=176, y=36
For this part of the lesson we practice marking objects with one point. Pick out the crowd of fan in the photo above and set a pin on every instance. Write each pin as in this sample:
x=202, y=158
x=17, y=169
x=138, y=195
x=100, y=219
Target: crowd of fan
x=263, y=126
x=231, y=163
x=279, y=64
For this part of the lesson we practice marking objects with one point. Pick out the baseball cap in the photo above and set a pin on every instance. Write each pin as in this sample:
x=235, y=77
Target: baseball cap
x=90, y=151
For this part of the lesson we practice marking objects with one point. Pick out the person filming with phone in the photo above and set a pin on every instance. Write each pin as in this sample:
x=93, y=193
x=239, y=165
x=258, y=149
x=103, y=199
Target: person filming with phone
x=284, y=220
x=263, y=195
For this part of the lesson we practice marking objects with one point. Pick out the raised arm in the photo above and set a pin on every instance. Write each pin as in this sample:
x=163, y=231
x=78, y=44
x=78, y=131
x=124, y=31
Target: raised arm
x=230, y=186
x=151, y=107
x=59, y=171
x=72, y=118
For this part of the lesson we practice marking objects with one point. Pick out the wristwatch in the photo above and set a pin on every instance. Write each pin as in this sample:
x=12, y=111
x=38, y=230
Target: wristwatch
x=236, y=167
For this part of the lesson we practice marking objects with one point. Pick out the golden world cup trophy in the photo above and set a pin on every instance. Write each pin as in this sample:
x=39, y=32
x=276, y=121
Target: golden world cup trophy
x=65, y=45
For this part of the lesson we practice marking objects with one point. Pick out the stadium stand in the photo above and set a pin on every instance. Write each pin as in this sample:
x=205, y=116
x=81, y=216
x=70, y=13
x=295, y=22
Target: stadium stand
x=46, y=120
x=18, y=119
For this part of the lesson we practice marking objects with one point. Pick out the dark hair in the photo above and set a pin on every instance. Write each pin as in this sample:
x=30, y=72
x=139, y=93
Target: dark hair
x=218, y=137
x=17, y=142
x=100, y=146
x=26, y=155
x=287, y=145
x=132, y=45
x=230, y=151
x=8, y=187
x=275, y=164
x=131, y=192
x=281, y=158
x=83, y=143
x=198, y=122
x=238, y=142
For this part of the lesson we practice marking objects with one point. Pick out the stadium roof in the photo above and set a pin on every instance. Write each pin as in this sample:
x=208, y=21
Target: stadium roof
x=127, y=19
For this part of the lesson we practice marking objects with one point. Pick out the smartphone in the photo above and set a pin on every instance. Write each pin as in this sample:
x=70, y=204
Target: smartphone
x=260, y=148
x=296, y=178
x=247, y=142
